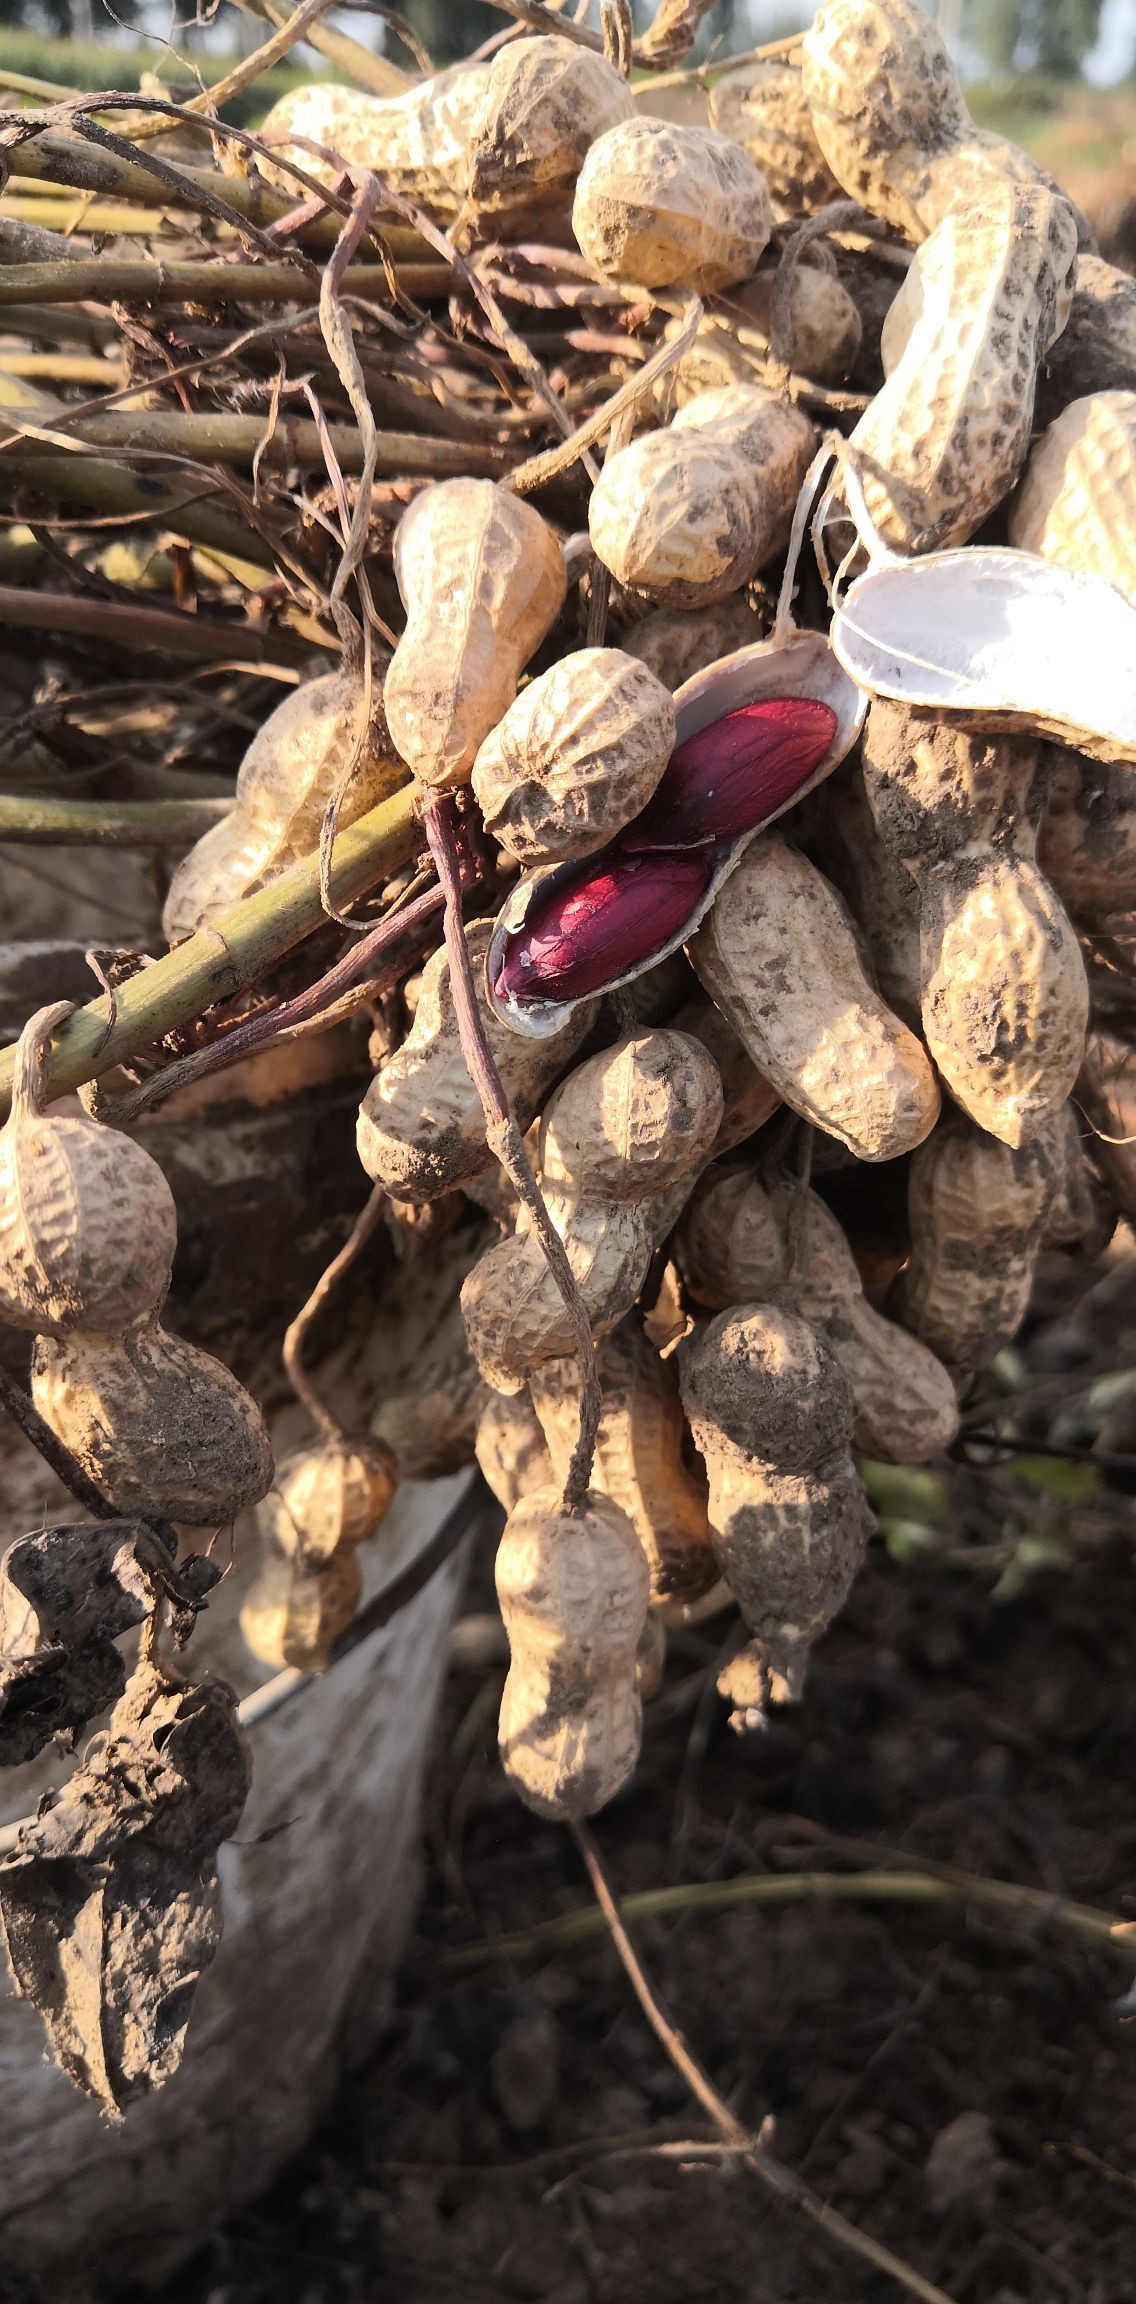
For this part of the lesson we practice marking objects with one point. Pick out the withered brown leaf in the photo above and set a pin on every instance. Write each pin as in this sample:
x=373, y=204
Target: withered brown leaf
x=65, y=1596
x=110, y=1902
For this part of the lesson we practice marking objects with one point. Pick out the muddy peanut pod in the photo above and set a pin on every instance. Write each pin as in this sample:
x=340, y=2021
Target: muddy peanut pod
x=543, y=102
x=977, y=1212
x=161, y=1427
x=482, y=579
x=88, y=1225
x=1096, y=350
x=327, y=1498
x=946, y=438
x=671, y=205
x=771, y=1412
x=764, y=108
x=818, y=1032
x=639, y=1457
x=1077, y=502
x=511, y=1448
x=573, y=1595
x=514, y=1314
x=417, y=142
x=294, y=1615
x=575, y=757
x=878, y=888
x=1081, y=1217
x=824, y=320
x=688, y=515
x=1087, y=843
x=1002, y=982
x=297, y=763
x=674, y=643
x=421, y=1125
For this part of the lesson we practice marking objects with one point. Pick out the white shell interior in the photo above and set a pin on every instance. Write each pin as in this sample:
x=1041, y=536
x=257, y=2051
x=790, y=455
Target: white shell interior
x=997, y=637
x=797, y=664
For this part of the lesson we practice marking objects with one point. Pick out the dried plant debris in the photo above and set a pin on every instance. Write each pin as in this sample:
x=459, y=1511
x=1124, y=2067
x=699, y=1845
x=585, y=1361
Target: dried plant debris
x=110, y=1903
x=65, y=1596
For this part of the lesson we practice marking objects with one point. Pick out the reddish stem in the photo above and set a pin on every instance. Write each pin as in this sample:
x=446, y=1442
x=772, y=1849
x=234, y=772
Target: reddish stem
x=506, y=1142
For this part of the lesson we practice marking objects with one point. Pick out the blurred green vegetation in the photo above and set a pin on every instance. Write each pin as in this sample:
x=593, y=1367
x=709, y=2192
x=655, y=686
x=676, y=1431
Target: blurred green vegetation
x=95, y=64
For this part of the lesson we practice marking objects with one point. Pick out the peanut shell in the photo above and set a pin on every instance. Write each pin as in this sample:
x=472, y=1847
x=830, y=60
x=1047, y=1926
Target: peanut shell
x=671, y=205
x=575, y=757
x=542, y=103
x=764, y=108
x=573, y=1595
x=161, y=1427
x=1077, y=502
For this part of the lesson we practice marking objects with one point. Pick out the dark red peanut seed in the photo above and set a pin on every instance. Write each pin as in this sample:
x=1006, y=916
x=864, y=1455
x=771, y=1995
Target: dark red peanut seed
x=735, y=774
x=598, y=923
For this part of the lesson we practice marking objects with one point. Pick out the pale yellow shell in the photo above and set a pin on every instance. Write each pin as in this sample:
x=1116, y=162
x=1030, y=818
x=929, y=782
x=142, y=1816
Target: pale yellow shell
x=511, y=1448
x=295, y=766
x=157, y=1424
x=1077, y=502
x=977, y=1211
x=1002, y=983
x=575, y=757
x=634, y=1119
x=730, y=1247
x=482, y=579
x=542, y=103
x=416, y=142
x=327, y=1498
x=88, y=1226
x=676, y=642
x=514, y=1314
x=639, y=1456
x=421, y=1126
x=688, y=515
x=671, y=205
x=890, y=119
x=764, y=108
x=1005, y=997
x=573, y=1596
x=778, y=953
x=292, y=1616
x=905, y=1405
x=945, y=439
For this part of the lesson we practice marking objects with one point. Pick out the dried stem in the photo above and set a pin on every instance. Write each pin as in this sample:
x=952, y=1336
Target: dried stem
x=130, y=624
x=232, y=953
x=215, y=438
x=789, y=2188
x=555, y=461
x=363, y=1229
x=360, y=64
x=507, y=1143
x=150, y=280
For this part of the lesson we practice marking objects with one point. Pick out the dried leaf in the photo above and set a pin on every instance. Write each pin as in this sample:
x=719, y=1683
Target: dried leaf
x=65, y=1596
x=110, y=1903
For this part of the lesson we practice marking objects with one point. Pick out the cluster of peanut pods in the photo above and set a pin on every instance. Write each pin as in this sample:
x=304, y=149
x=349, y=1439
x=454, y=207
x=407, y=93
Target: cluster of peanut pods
x=666, y=981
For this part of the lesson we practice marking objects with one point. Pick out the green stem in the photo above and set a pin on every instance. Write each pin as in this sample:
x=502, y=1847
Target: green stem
x=221, y=960
x=109, y=823
x=147, y=280
x=571, y=1928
